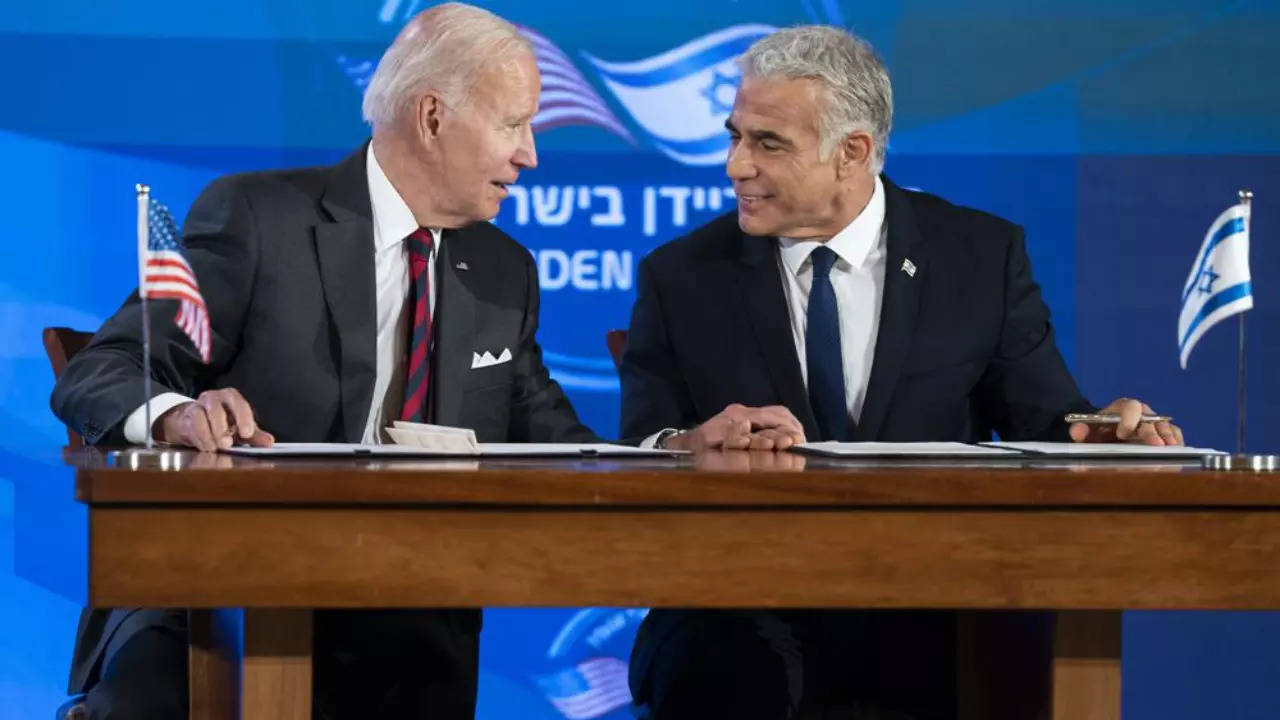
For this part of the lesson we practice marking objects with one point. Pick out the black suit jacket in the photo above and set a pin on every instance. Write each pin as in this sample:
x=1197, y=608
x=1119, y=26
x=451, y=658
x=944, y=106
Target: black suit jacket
x=964, y=346
x=285, y=263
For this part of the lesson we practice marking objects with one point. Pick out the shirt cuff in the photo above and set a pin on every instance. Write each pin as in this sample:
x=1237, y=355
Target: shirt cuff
x=650, y=442
x=135, y=430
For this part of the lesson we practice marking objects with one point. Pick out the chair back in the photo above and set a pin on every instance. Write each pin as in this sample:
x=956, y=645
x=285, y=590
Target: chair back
x=61, y=344
x=617, y=342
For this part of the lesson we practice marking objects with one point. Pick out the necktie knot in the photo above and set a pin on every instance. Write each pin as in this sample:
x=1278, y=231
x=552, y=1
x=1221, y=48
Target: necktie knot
x=822, y=258
x=421, y=243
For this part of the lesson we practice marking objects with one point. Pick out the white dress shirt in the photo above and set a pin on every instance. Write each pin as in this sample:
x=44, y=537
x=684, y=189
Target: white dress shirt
x=393, y=221
x=857, y=277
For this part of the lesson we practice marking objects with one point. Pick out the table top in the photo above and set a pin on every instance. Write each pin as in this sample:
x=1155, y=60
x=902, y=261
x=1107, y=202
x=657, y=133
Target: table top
x=711, y=479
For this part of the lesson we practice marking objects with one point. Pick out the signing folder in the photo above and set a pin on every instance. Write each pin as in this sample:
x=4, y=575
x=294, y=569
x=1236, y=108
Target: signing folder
x=482, y=450
x=1104, y=451
x=903, y=450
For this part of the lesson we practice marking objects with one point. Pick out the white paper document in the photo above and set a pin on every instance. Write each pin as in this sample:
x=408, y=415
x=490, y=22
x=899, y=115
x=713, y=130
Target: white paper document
x=441, y=438
x=483, y=450
x=872, y=450
x=1109, y=451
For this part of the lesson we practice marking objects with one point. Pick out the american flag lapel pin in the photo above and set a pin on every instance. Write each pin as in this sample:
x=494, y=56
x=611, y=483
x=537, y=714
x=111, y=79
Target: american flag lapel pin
x=908, y=267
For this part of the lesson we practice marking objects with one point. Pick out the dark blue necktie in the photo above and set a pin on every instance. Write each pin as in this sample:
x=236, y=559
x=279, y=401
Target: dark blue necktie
x=822, y=351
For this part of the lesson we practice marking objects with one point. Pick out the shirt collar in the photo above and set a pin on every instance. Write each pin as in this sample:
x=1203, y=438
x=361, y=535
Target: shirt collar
x=392, y=218
x=853, y=244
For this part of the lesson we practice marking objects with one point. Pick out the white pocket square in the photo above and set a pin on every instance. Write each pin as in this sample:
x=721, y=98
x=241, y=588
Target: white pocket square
x=488, y=360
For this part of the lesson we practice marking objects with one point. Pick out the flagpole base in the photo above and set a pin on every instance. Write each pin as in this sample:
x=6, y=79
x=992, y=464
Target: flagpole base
x=154, y=458
x=1242, y=462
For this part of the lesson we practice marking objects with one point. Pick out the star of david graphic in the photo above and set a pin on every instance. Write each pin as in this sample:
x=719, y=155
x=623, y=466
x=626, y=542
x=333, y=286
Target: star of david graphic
x=713, y=94
x=1207, y=278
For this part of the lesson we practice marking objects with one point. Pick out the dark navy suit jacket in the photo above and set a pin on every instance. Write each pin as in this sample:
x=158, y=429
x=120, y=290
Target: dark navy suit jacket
x=964, y=348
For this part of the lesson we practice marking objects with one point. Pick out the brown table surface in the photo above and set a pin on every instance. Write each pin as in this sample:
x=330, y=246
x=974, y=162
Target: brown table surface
x=729, y=479
x=720, y=529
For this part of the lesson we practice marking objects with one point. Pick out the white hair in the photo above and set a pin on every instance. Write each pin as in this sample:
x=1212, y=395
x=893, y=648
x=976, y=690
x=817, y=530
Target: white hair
x=440, y=49
x=855, y=89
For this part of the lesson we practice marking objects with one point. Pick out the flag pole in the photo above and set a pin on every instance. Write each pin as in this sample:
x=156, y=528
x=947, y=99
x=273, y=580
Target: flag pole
x=1240, y=461
x=144, y=203
x=1246, y=199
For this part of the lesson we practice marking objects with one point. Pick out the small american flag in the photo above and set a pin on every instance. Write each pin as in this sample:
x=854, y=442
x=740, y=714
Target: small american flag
x=589, y=690
x=166, y=274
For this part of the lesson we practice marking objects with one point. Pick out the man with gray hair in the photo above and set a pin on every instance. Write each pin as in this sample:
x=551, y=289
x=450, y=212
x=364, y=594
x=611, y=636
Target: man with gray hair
x=832, y=305
x=341, y=299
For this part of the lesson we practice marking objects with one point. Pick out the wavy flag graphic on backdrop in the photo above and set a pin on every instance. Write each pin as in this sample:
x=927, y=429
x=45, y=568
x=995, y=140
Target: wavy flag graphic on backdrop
x=567, y=98
x=681, y=97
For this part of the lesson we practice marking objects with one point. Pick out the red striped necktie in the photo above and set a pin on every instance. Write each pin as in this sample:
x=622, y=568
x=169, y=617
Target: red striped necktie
x=415, y=390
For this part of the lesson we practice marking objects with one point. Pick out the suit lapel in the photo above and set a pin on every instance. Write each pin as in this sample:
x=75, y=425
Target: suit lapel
x=455, y=328
x=898, y=310
x=344, y=248
x=760, y=284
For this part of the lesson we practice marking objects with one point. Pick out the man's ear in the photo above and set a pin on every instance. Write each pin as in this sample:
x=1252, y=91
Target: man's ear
x=430, y=111
x=854, y=153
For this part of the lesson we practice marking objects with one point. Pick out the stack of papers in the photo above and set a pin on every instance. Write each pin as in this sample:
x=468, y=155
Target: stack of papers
x=1116, y=451
x=1005, y=450
x=482, y=450
x=879, y=450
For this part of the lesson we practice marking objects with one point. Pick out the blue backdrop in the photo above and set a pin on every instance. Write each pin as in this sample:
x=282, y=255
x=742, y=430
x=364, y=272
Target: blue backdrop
x=1114, y=132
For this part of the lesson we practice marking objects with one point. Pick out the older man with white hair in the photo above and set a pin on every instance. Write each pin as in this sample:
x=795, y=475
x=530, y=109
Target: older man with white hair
x=833, y=305
x=343, y=298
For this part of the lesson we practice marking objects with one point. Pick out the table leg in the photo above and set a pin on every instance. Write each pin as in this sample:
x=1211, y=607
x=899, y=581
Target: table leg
x=277, y=665
x=252, y=665
x=1086, y=665
x=213, y=663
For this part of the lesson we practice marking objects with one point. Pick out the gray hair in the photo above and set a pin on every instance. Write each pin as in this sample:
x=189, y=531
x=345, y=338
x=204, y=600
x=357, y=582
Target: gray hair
x=856, y=94
x=441, y=49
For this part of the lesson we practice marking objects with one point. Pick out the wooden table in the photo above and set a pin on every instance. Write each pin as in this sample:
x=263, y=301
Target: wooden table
x=724, y=530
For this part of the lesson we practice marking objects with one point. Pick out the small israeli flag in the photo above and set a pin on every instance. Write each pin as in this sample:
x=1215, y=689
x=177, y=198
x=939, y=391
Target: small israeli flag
x=681, y=97
x=1219, y=285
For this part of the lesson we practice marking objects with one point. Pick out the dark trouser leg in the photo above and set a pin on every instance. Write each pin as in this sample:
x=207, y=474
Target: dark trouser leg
x=145, y=678
x=403, y=664
x=802, y=664
x=880, y=664
x=738, y=665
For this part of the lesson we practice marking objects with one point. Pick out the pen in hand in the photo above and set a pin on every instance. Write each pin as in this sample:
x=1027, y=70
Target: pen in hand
x=1123, y=420
x=1110, y=418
